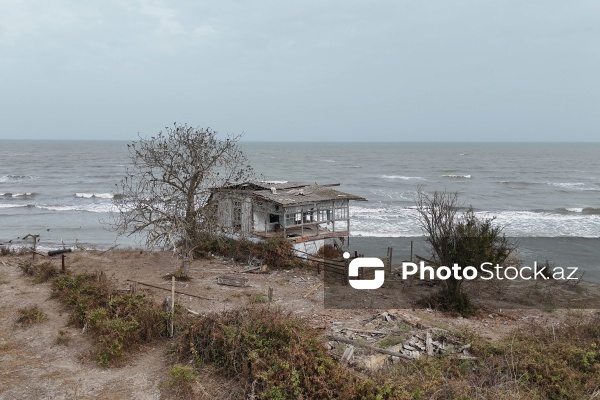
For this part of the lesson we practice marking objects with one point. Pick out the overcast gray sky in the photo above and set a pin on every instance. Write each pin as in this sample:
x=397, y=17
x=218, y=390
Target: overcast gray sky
x=346, y=70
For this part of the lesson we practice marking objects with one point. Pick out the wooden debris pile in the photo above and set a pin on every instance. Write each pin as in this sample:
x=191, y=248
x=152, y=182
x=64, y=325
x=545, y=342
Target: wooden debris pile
x=393, y=338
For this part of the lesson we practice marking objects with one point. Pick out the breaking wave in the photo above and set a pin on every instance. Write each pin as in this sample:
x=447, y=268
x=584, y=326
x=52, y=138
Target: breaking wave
x=457, y=176
x=404, y=178
x=12, y=178
x=94, y=208
x=16, y=195
x=581, y=210
x=392, y=220
x=94, y=195
x=573, y=186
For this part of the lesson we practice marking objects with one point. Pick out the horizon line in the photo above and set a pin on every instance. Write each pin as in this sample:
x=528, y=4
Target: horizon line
x=326, y=141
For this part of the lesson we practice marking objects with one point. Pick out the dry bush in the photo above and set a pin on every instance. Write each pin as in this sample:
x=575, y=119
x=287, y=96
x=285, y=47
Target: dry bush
x=42, y=272
x=329, y=252
x=31, y=315
x=542, y=363
x=275, y=355
x=119, y=321
x=275, y=252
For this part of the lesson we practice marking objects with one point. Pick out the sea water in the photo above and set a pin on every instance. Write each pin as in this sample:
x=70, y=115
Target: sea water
x=62, y=190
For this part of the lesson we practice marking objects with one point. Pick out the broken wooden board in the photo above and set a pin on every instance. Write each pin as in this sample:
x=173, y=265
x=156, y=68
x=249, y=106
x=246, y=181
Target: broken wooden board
x=232, y=281
x=250, y=269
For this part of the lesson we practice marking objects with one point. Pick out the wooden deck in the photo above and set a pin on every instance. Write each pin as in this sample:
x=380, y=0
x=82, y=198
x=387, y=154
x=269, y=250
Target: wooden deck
x=297, y=236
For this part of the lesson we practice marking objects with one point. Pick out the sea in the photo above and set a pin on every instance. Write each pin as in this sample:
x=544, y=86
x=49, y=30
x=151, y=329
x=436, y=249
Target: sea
x=546, y=196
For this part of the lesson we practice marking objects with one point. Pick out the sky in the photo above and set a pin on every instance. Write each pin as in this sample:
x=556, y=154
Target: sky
x=310, y=70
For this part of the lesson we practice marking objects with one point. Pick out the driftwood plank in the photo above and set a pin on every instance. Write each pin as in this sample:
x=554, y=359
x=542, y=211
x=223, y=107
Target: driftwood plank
x=311, y=291
x=366, y=346
x=231, y=281
x=370, y=332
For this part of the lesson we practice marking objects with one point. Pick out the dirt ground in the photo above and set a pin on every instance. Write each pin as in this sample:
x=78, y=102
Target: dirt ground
x=34, y=366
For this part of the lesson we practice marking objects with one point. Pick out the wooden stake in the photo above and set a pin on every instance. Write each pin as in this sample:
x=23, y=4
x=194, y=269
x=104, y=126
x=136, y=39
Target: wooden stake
x=428, y=344
x=172, y=306
x=311, y=291
x=270, y=294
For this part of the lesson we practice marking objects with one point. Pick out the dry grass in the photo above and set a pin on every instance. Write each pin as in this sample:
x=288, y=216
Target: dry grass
x=30, y=315
x=540, y=363
x=274, y=355
x=119, y=322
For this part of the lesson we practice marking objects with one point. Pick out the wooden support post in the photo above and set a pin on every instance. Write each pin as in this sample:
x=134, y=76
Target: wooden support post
x=63, y=263
x=390, y=255
x=411, y=251
x=172, y=306
x=270, y=296
x=284, y=223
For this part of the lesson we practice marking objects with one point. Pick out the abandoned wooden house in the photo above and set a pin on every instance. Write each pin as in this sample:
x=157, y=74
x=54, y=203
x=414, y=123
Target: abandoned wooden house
x=308, y=215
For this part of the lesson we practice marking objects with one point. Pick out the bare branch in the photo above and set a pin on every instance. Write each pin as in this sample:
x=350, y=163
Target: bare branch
x=166, y=192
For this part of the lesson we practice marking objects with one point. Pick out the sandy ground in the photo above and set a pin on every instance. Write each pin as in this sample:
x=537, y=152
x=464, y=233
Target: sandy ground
x=34, y=366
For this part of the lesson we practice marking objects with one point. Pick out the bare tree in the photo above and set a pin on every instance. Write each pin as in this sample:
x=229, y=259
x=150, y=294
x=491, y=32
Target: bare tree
x=461, y=238
x=165, y=194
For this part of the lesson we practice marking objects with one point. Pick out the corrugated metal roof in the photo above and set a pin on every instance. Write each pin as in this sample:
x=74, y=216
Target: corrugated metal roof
x=304, y=194
x=258, y=185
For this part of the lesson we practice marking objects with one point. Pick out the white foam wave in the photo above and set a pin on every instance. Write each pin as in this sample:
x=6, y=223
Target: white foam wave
x=404, y=178
x=530, y=223
x=12, y=205
x=96, y=195
x=394, y=220
x=12, y=178
x=575, y=209
x=457, y=176
x=566, y=184
x=573, y=186
x=95, y=208
x=16, y=194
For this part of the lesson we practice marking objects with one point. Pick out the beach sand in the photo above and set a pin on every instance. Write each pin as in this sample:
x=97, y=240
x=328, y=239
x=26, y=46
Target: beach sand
x=35, y=366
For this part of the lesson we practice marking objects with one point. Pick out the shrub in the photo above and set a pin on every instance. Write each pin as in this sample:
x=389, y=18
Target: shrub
x=180, y=382
x=31, y=315
x=119, y=321
x=275, y=354
x=563, y=363
x=329, y=252
x=276, y=252
x=42, y=272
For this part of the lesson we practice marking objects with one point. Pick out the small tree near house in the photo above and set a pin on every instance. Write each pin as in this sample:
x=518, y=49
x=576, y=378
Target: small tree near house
x=165, y=194
x=458, y=237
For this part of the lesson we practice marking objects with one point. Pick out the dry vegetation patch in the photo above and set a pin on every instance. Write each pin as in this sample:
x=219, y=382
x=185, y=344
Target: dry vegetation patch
x=31, y=315
x=119, y=321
